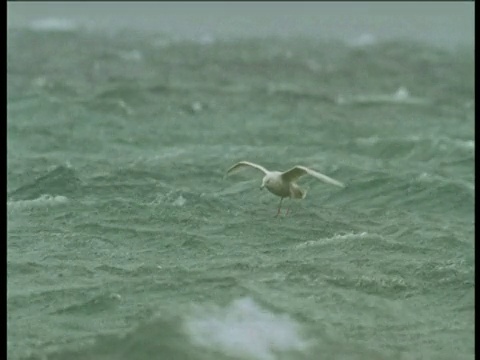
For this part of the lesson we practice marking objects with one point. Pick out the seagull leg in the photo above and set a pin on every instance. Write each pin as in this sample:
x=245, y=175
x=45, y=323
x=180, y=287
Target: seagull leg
x=279, y=207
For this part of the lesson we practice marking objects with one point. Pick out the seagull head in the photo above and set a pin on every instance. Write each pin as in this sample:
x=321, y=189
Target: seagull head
x=265, y=182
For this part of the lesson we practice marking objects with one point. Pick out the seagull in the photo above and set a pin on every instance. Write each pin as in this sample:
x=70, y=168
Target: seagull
x=283, y=183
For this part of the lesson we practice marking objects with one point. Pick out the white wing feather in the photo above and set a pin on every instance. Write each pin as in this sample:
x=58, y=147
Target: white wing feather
x=299, y=170
x=242, y=164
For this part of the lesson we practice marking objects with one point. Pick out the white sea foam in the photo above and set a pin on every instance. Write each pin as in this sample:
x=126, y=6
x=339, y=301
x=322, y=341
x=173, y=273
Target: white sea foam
x=132, y=55
x=401, y=96
x=372, y=140
x=364, y=39
x=180, y=201
x=42, y=201
x=244, y=330
x=334, y=238
x=429, y=178
x=466, y=144
x=348, y=236
x=206, y=39
x=53, y=24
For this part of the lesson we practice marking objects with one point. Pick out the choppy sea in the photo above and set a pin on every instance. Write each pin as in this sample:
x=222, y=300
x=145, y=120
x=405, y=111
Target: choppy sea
x=127, y=241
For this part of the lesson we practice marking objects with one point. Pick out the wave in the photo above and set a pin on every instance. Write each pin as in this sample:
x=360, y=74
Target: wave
x=98, y=303
x=61, y=181
x=54, y=24
x=241, y=330
x=401, y=96
x=414, y=147
x=351, y=236
x=244, y=330
x=42, y=201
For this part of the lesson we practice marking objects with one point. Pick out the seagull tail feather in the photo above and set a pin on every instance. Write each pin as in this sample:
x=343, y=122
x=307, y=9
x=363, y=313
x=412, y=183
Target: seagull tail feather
x=296, y=192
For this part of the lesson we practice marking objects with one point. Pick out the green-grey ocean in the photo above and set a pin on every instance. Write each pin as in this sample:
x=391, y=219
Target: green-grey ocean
x=127, y=241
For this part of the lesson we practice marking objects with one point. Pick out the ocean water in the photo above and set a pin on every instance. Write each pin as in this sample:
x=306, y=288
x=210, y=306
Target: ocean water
x=127, y=241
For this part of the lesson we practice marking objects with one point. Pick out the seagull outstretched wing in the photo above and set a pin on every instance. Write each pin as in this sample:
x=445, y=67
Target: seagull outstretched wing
x=297, y=171
x=242, y=164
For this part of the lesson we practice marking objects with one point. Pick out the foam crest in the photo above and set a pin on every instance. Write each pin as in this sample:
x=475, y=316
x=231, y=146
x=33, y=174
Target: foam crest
x=42, y=201
x=53, y=24
x=335, y=238
x=244, y=330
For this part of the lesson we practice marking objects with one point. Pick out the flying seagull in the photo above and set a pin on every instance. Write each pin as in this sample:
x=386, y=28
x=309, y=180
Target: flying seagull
x=283, y=183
